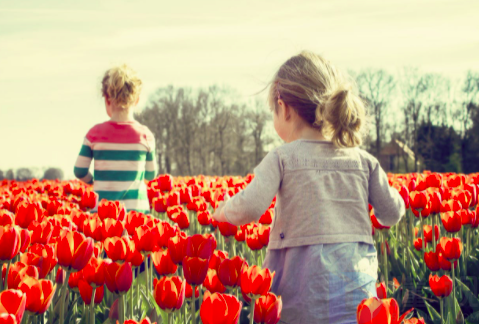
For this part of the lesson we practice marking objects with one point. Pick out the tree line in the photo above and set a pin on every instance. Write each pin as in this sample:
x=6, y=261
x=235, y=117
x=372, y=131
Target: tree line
x=212, y=132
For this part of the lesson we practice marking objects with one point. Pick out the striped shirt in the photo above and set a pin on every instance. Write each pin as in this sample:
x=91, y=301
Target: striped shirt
x=124, y=156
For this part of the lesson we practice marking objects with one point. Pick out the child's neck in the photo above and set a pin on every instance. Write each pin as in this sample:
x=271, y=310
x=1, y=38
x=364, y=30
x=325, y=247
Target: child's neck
x=121, y=116
x=306, y=132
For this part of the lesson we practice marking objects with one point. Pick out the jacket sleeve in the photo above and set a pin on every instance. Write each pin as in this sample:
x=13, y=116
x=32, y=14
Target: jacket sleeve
x=82, y=165
x=252, y=202
x=387, y=202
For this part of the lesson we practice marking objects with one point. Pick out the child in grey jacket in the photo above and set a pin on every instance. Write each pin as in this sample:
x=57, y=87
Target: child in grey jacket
x=320, y=246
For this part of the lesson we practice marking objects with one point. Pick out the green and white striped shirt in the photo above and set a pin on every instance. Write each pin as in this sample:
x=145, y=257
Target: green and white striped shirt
x=124, y=156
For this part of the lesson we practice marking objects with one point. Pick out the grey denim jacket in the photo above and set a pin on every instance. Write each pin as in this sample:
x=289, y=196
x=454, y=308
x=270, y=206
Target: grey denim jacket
x=322, y=195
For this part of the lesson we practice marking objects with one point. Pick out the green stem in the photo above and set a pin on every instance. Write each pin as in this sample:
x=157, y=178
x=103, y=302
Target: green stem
x=121, y=309
x=170, y=318
x=131, y=297
x=251, y=316
x=411, y=228
x=385, y=261
x=1, y=281
x=193, y=305
x=92, y=310
x=63, y=296
x=146, y=276
x=433, y=220
x=441, y=302
x=453, y=289
x=232, y=251
x=6, y=275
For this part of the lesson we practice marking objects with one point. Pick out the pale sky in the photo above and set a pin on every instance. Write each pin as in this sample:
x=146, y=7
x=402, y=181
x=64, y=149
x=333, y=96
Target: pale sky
x=54, y=53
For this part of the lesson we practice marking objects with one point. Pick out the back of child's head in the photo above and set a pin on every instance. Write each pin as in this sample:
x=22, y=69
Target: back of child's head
x=322, y=96
x=121, y=85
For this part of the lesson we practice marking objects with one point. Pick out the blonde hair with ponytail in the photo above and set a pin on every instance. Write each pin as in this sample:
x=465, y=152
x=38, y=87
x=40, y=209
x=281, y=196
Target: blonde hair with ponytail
x=322, y=96
x=121, y=85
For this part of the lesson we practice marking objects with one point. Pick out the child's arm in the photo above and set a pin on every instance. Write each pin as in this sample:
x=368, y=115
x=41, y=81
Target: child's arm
x=387, y=202
x=249, y=204
x=151, y=168
x=82, y=165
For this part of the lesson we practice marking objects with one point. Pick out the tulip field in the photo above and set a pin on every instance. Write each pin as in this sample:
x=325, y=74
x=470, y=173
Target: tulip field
x=64, y=263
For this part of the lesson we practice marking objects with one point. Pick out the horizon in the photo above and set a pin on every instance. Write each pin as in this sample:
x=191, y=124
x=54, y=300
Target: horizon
x=52, y=60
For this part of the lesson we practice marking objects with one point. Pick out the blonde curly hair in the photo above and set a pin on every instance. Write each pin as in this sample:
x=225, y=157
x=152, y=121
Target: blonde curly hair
x=121, y=85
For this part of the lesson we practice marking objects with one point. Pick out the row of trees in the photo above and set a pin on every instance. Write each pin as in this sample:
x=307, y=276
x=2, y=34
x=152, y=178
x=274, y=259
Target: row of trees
x=206, y=131
x=211, y=131
x=438, y=118
x=23, y=174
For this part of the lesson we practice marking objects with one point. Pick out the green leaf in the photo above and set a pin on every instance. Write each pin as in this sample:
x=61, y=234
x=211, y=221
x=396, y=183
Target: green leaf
x=435, y=316
x=473, y=318
x=469, y=297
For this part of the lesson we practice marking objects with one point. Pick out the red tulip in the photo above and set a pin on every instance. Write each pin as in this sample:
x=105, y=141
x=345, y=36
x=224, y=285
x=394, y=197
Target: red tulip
x=41, y=232
x=435, y=201
x=181, y=219
x=418, y=200
x=185, y=195
x=177, y=247
x=220, y=309
x=428, y=233
x=381, y=290
x=374, y=310
x=18, y=272
x=116, y=248
x=159, y=204
x=112, y=228
x=6, y=218
x=25, y=239
x=28, y=213
x=440, y=286
x=41, y=256
x=86, y=292
x=467, y=217
x=255, y=281
x=173, y=198
x=267, y=309
x=195, y=270
x=88, y=199
x=163, y=263
x=204, y=218
x=418, y=244
x=229, y=271
x=118, y=278
x=10, y=241
x=414, y=321
x=39, y=294
x=451, y=248
x=7, y=319
x=108, y=209
x=434, y=180
x=74, y=250
x=93, y=228
x=252, y=239
x=263, y=234
x=201, y=246
x=74, y=280
x=134, y=256
x=443, y=262
x=212, y=282
x=452, y=221
x=267, y=217
x=169, y=293
x=144, y=239
x=189, y=291
x=432, y=261
x=227, y=229
x=94, y=272
x=165, y=182
x=216, y=259
x=450, y=205
x=13, y=302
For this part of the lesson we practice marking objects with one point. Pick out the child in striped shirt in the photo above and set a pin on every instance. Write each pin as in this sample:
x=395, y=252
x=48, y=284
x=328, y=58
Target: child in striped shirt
x=123, y=149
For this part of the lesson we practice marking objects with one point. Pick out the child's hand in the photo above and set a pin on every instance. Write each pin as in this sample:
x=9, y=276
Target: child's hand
x=219, y=214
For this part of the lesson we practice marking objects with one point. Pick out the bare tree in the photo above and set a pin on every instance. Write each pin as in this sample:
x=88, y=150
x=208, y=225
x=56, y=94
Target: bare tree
x=376, y=87
x=413, y=85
